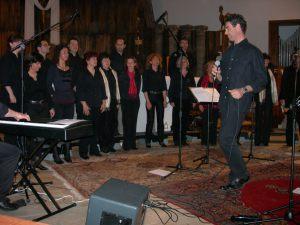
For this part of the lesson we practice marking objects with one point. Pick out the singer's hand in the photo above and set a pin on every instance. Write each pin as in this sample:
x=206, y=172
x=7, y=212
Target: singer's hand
x=216, y=72
x=237, y=93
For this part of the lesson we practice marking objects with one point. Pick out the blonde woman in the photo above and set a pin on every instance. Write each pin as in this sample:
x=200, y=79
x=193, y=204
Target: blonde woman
x=155, y=92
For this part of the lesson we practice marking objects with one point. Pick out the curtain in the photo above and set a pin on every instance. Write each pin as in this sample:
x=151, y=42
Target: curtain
x=29, y=22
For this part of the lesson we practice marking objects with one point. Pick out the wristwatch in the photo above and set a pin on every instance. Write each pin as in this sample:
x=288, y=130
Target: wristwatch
x=245, y=90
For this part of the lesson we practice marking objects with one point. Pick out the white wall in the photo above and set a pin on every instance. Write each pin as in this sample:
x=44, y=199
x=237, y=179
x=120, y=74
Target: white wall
x=206, y=12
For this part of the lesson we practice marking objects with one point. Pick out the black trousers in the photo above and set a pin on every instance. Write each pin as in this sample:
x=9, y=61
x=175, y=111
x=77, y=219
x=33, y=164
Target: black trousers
x=213, y=115
x=186, y=106
x=89, y=144
x=289, y=126
x=263, y=122
x=9, y=157
x=130, y=110
x=232, y=119
x=64, y=111
x=107, y=123
x=157, y=105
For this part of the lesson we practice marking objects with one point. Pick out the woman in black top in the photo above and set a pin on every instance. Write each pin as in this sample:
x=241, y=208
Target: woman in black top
x=155, y=92
x=187, y=99
x=37, y=101
x=109, y=116
x=130, y=84
x=91, y=94
x=60, y=87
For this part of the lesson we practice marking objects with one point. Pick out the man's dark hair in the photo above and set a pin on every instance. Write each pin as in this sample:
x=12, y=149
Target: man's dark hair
x=120, y=38
x=266, y=56
x=235, y=19
x=73, y=39
x=13, y=38
x=183, y=38
x=39, y=43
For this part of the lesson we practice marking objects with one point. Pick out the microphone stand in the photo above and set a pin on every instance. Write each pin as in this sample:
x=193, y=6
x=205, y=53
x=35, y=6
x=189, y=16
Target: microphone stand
x=22, y=45
x=290, y=213
x=178, y=166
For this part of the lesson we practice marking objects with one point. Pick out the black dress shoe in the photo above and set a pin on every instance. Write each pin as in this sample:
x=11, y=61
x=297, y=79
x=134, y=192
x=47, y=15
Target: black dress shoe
x=111, y=149
x=6, y=205
x=134, y=148
x=67, y=156
x=235, y=184
x=96, y=153
x=105, y=149
x=85, y=157
x=41, y=167
x=56, y=157
x=148, y=145
x=163, y=144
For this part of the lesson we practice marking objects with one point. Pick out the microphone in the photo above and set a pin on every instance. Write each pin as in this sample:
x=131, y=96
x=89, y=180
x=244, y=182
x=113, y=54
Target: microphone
x=161, y=17
x=218, y=61
x=217, y=64
x=245, y=219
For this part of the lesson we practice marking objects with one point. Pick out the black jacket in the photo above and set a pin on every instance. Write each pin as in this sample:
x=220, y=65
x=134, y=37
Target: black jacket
x=174, y=90
x=288, y=85
x=91, y=88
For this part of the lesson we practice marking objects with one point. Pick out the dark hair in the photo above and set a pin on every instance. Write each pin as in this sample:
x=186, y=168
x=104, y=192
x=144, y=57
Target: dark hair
x=183, y=38
x=14, y=38
x=136, y=68
x=235, y=19
x=266, y=56
x=88, y=55
x=120, y=38
x=33, y=58
x=102, y=55
x=39, y=43
x=73, y=39
x=56, y=54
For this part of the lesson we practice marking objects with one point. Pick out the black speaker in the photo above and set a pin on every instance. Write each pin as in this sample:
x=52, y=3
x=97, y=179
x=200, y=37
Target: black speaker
x=117, y=202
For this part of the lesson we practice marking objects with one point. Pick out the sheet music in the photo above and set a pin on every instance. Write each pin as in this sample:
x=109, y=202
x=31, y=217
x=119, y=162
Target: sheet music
x=205, y=94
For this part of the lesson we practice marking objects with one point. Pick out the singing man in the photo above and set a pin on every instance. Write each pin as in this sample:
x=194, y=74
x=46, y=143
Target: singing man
x=242, y=73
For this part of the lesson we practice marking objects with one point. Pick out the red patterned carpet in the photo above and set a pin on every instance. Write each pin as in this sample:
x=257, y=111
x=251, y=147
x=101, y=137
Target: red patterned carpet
x=196, y=191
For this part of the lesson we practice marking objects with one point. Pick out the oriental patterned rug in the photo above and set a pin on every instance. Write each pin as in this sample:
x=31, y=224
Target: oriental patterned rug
x=197, y=191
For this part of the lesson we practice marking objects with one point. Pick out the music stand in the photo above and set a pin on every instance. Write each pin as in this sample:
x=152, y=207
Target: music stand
x=210, y=96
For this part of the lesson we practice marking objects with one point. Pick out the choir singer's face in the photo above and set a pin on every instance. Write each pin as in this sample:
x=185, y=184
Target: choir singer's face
x=92, y=62
x=35, y=66
x=155, y=61
x=105, y=63
x=131, y=64
x=74, y=46
x=184, y=63
x=64, y=54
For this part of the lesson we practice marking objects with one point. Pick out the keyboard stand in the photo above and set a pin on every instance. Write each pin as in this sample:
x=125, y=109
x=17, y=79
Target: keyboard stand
x=26, y=169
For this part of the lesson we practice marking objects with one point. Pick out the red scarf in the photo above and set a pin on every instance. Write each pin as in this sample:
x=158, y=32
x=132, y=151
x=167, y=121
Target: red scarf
x=132, y=91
